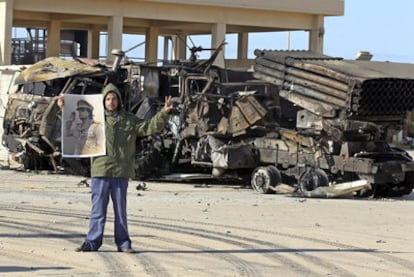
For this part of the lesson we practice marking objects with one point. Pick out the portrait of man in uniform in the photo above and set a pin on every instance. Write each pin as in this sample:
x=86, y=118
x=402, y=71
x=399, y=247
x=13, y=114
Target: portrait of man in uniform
x=82, y=126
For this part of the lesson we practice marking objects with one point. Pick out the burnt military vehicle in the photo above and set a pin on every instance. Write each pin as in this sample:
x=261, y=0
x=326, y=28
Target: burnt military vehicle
x=299, y=118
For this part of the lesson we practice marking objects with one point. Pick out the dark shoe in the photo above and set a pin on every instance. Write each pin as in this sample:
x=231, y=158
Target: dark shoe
x=84, y=248
x=128, y=250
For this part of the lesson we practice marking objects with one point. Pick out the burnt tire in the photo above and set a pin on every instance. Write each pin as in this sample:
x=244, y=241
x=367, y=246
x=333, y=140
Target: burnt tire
x=397, y=190
x=147, y=164
x=313, y=178
x=263, y=179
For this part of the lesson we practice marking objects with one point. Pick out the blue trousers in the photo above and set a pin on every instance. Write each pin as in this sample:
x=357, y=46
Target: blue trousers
x=102, y=188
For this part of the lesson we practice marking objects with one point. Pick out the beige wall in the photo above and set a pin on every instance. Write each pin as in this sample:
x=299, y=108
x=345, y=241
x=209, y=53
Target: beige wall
x=324, y=7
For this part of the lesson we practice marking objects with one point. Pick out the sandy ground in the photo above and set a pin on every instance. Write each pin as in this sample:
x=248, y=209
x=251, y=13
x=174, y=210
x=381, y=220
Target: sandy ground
x=202, y=230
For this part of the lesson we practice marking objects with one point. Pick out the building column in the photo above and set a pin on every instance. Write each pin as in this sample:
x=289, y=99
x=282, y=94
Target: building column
x=180, y=47
x=53, y=38
x=167, y=41
x=94, y=37
x=242, y=45
x=6, y=24
x=218, y=32
x=115, y=31
x=151, y=45
x=317, y=34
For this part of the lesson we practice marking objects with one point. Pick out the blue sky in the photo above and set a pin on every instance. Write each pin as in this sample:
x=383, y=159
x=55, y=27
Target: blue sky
x=384, y=28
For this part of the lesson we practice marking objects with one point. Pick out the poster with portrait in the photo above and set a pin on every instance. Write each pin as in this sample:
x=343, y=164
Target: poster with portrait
x=83, y=128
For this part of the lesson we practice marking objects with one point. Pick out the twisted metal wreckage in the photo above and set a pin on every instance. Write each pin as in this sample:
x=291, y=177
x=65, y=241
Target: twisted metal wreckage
x=300, y=118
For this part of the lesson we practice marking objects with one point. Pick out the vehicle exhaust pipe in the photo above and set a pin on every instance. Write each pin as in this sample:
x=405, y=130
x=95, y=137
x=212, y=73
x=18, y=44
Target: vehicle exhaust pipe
x=119, y=55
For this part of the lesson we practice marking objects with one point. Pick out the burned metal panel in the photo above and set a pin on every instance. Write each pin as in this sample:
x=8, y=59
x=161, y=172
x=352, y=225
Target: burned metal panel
x=287, y=151
x=55, y=68
x=24, y=115
x=238, y=123
x=235, y=157
x=337, y=164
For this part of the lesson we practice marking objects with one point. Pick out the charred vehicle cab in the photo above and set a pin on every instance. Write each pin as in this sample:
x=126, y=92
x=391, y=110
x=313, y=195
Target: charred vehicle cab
x=299, y=118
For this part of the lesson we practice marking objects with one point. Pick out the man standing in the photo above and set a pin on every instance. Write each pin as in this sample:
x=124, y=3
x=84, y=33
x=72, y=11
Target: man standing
x=110, y=173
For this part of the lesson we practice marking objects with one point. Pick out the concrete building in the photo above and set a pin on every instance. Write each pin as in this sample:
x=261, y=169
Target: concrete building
x=175, y=19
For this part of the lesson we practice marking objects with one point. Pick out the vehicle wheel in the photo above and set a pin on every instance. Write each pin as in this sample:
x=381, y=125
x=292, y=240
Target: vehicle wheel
x=148, y=163
x=264, y=178
x=395, y=190
x=312, y=179
x=409, y=183
x=408, y=189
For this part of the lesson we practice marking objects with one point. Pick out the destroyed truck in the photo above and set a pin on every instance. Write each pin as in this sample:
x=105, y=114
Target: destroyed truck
x=299, y=118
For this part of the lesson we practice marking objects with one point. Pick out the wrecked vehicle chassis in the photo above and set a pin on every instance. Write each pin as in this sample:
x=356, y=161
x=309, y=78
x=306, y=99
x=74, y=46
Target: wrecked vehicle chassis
x=386, y=174
x=229, y=125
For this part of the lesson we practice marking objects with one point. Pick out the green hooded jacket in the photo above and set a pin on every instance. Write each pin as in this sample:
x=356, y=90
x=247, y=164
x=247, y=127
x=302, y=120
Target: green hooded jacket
x=121, y=133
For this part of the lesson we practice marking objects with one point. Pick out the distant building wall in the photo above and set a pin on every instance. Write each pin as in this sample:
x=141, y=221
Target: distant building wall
x=7, y=77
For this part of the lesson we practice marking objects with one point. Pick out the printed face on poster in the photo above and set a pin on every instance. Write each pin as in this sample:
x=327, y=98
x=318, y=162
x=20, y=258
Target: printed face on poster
x=83, y=128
